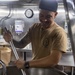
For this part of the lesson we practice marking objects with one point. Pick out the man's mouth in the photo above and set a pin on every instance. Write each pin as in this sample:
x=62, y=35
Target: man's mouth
x=45, y=25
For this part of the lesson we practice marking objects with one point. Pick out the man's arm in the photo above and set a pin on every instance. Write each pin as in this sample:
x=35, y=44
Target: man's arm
x=23, y=42
x=48, y=61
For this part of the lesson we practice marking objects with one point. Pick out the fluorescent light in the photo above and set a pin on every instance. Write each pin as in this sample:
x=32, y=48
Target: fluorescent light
x=7, y=0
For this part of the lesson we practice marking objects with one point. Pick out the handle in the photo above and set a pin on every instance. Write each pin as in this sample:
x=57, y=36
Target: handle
x=16, y=54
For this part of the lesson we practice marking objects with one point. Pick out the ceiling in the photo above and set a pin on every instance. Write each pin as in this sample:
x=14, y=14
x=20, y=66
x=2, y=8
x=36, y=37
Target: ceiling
x=18, y=2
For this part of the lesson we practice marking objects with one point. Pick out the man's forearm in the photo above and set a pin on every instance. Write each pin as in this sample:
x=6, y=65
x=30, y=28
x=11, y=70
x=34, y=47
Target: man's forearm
x=18, y=44
x=48, y=61
x=44, y=62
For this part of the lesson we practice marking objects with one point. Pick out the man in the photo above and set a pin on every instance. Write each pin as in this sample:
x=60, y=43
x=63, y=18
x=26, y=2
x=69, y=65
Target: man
x=48, y=39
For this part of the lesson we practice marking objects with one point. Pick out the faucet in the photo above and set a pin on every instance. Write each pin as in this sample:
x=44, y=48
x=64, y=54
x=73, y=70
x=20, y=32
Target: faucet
x=3, y=67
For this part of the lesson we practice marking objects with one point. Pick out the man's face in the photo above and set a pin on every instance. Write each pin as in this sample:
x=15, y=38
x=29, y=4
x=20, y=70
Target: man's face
x=47, y=17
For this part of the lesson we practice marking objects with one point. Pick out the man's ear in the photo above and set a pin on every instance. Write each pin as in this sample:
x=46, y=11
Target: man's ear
x=56, y=14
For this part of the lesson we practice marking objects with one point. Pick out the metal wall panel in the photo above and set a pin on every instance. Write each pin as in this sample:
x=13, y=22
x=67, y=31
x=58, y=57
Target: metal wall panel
x=18, y=13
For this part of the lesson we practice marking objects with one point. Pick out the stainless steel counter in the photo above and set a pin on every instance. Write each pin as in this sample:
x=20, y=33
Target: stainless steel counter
x=67, y=59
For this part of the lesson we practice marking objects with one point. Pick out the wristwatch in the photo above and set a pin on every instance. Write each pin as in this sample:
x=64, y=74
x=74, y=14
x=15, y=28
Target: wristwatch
x=26, y=65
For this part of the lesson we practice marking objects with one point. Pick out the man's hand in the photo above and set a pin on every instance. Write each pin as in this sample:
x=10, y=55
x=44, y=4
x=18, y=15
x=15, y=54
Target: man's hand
x=20, y=64
x=7, y=36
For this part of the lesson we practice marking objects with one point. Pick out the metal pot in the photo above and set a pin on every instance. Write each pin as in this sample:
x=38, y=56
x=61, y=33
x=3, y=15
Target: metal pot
x=2, y=68
x=45, y=71
x=1, y=71
x=13, y=70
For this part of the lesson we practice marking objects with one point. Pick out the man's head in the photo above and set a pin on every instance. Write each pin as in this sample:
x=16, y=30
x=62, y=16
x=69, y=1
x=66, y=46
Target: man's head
x=48, y=11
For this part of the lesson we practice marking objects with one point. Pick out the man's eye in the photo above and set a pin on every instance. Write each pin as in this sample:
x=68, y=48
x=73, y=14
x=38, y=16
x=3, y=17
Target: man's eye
x=48, y=16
